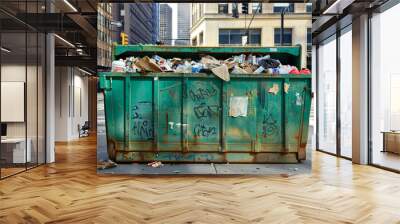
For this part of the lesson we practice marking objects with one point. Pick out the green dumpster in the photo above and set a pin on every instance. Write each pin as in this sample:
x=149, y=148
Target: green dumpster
x=195, y=118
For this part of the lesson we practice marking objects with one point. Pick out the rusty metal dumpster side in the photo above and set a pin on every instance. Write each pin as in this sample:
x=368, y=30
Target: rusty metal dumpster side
x=174, y=117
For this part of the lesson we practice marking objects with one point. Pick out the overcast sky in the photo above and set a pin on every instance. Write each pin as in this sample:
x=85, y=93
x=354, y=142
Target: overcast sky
x=174, y=7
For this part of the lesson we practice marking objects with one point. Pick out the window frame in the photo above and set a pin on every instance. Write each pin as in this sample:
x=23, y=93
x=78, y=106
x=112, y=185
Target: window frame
x=224, y=10
x=255, y=32
x=280, y=6
x=277, y=31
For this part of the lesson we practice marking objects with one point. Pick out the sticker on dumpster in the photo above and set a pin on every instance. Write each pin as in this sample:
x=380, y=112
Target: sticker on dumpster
x=299, y=99
x=238, y=106
x=286, y=87
x=274, y=89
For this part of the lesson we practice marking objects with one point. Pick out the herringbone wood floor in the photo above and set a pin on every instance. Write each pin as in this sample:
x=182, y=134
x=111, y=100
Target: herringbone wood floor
x=71, y=192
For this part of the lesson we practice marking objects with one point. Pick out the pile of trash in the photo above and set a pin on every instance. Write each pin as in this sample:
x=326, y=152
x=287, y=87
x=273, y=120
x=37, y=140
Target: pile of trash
x=241, y=64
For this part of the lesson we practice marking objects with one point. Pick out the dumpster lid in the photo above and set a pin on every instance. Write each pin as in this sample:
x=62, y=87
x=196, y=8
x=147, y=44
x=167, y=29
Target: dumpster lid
x=286, y=55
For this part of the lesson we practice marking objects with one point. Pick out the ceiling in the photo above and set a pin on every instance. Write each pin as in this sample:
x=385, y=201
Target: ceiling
x=74, y=21
x=332, y=15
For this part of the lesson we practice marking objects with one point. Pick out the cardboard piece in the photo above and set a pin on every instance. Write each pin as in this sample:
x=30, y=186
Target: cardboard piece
x=148, y=65
x=209, y=62
x=238, y=70
x=222, y=72
x=248, y=68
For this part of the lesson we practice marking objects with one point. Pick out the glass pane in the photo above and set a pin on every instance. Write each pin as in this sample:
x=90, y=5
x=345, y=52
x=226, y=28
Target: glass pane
x=327, y=97
x=346, y=94
x=385, y=89
x=309, y=7
x=223, y=8
x=309, y=39
x=287, y=36
x=13, y=87
x=257, y=8
x=255, y=37
x=41, y=99
x=31, y=98
x=277, y=36
x=223, y=37
x=236, y=37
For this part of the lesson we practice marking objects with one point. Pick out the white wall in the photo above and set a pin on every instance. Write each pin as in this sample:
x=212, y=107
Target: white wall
x=33, y=126
x=16, y=73
x=71, y=102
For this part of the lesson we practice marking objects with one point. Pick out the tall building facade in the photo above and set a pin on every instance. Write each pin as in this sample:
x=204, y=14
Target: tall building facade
x=213, y=24
x=104, y=32
x=138, y=20
x=166, y=24
x=183, y=24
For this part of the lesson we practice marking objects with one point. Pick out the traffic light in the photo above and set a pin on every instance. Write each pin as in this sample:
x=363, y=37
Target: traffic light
x=245, y=8
x=124, y=38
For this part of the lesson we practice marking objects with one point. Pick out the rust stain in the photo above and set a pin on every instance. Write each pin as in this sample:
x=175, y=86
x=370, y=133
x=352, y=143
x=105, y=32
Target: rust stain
x=238, y=132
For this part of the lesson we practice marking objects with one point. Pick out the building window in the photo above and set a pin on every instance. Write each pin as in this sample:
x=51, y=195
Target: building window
x=309, y=39
x=309, y=7
x=327, y=97
x=287, y=36
x=194, y=42
x=256, y=8
x=223, y=8
x=201, y=38
x=234, y=36
x=279, y=7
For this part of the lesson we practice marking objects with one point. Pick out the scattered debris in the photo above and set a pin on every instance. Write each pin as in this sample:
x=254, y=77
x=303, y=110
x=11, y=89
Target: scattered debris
x=238, y=70
x=101, y=165
x=274, y=89
x=284, y=175
x=155, y=164
x=239, y=64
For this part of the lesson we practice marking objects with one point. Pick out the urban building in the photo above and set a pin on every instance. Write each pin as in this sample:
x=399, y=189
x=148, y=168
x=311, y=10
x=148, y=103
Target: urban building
x=183, y=37
x=140, y=21
x=213, y=24
x=166, y=24
x=104, y=32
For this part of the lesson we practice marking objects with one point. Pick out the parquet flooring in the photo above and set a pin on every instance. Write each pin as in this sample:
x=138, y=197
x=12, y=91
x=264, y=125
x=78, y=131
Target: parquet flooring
x=70, y=191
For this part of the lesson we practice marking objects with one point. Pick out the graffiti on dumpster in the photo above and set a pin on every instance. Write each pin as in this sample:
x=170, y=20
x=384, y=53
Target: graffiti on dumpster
x=142, y=125
x=269, y=126
x=205, y=111
x=200, y=93
x=204, y=130
x=142, y=129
